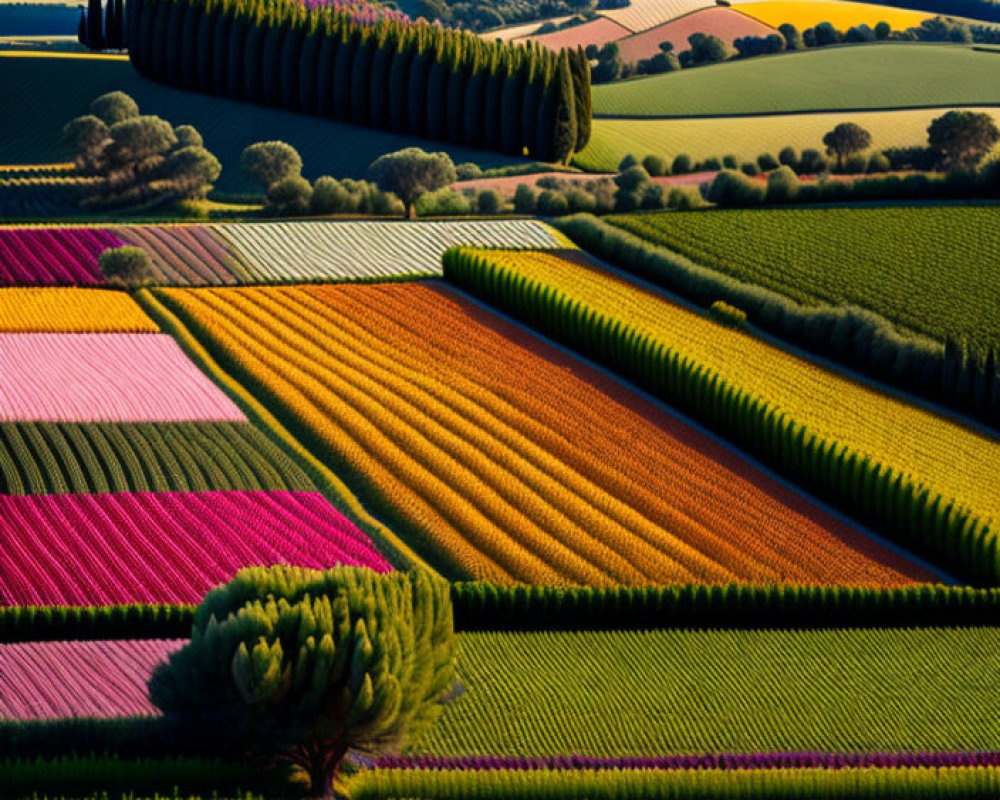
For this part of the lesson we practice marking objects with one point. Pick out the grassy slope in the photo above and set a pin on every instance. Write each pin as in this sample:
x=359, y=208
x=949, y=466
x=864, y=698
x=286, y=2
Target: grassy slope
x=678, y=691
x=932, y=269
x=746, y=137
x=863, y=76
x=38, y=96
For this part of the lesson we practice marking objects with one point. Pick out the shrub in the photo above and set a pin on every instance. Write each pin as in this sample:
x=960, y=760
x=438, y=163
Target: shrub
x=767, y=162
x=628, y=162
x=524, y=199
x=730, y=162
x=749, y=168
x=711, y=165
x=289, y=197
x=728, y=315
x=552, y=204
x=632, y=179
x=654, y=165
x=127, y=266
x=732, y=188
x=782, y=185
x=468, y=171
x=681, y=165
x=271, y=162
x=855, y=164
x=685, y=198
x=489, y=202
x=788, y=157
x=114, y=107
x=812, y=162
x=579, y=200
x=879, y=162
x=443, y=202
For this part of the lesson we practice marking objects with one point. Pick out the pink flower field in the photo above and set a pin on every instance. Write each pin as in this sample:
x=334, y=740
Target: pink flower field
x=105, y=377
x=53, y=256
x=97, y=549
x=49, y=680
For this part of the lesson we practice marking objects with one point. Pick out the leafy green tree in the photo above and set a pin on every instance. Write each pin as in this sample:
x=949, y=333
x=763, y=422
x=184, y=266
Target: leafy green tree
x=139, y=143
x=87, y=135
x=191, y=171
x=291, y=196
x=114, y=107
x=845, y=139
x=188, y=136
x=410, y=172
x=962, y=138
x=270, y=162
x=127, y=266
x=299, y=666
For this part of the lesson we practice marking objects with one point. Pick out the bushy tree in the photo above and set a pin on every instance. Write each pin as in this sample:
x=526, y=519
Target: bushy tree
x=681, y=165
x=962, y=138
x=271, y=162
x=188, y=136
x=731, y=188
x=127, y=266
x=191, y=170
x=551, y=203
x=655, y=165
x=443, y=202
x=782, y=185
x=349, y=196
x=708, y=49
x=300, y=666
x=489, y=202
x=524, y=199
x=845, y=139
x=114, y=107
x=137, y=142
x=410, y=172
x=87, y=135
x=289, y=196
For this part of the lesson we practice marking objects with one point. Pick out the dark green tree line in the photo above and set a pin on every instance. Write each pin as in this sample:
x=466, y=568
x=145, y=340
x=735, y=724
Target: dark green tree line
x=411, y=78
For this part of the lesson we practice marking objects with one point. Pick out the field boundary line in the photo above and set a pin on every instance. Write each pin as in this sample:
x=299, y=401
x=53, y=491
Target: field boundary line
x=399, y=551
x=795, y=113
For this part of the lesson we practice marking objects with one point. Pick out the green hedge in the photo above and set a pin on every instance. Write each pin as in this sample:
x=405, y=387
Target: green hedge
x=411, y=78
x=140, y=621
x=802, y=784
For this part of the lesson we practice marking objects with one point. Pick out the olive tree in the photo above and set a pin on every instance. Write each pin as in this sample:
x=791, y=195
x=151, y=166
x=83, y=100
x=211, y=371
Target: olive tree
x=962, y=138
x=299, y=666
x=845, y=140
x=271, y=162
x=114, y=107
x=411, y=172
x=127, y=266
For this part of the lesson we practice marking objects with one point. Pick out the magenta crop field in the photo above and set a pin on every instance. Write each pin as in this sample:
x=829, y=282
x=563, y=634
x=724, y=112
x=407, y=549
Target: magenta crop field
x=53, y=256
x=98, y=549
x=105, y=377
x=49, y=680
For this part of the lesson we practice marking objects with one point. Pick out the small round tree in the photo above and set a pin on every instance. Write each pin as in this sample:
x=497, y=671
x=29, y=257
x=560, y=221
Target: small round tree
x=299, y=666
x=271, y=162
x=114, y=107
x=410, y=172
x=846, y=139
x=127, y=266
x=962, y=138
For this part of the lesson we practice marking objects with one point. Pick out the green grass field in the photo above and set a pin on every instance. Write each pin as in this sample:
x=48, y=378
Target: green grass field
x=746, y=137
x=851, y=77
x=932, y=269
x=675, y=691
x=40, y=95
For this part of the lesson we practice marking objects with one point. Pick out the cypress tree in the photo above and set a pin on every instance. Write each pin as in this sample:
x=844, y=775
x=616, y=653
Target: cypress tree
x=511, y=105
x=205, y=41
x=145, y=24
x=419, y=72
x=120, y=41
x=399, y=83
x=385, y=49
x=308, y=80
x=437, y=92
x=174, y=52
x=221, y=43
x=361, y=76
x=327, y=61
x=81, y=31
x=475, y=99
x=545, y=119
x=133, y=15
x=109, y=25
x=342, y=74
x=564, y=138
x=188, y=45
x=291, y=56
x=239, y=33
x=457, y=82
x=253, y=53
x=582, y=97
x=160, y=40
x=95, y=20
x=494, y=97
x=275, y=33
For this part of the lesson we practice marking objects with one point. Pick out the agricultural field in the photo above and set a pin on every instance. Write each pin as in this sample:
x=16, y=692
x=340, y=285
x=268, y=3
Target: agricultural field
x=437, y=404
x=908, y=268
x=747, y=137
x=842, y=14
x=47, y=257
x=598, y=32
x=644, y=14
x=71, y=310
x=910, y=76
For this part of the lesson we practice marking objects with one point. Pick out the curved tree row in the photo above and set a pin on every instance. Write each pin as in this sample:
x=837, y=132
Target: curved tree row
x=411, y=78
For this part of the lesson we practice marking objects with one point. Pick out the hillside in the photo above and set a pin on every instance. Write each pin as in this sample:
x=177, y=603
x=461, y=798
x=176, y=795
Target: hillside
x=880, y=76
x=41, y=94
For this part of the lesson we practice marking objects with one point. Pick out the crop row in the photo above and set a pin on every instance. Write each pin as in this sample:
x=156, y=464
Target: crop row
x=509, y=460
x=97, y=549
x=70, y=310
x=960, y=783
x=188, y=255
x=925, y=478
x=116, y=377
x=53, y=256
x=115, y=457
x=50, y=680
x=689, y=692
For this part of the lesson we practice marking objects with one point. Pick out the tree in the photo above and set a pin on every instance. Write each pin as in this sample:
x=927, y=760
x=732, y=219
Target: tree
x=298, y=666
x=190, y=172
x=127, y=267
x=582, y=97
x=87, y=135
x=270, y=162
x=95, y=32
x=137, y=142
x=708, y=49
x=81, y=28
x=410, y=172
x=845, y=139
x=290, y=196
x=962, y=138
x=792, y=37
x=564, y=135
x=114, y=107
x=188, y=136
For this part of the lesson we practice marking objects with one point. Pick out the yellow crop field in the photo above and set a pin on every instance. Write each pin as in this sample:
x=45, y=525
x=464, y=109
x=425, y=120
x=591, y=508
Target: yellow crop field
x=842, y=15
x=823, y=415
x=508, y=460
x=71, y=310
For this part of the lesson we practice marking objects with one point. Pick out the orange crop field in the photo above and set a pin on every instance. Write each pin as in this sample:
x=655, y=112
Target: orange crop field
x=509, y=459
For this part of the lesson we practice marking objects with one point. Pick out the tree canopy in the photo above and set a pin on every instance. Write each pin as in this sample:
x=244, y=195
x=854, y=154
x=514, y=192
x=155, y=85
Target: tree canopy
x=271, y=162
x=845, y=139
x=410, y=172
x=962, y=138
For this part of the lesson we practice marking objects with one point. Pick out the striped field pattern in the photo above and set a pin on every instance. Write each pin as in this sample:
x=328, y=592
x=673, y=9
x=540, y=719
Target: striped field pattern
x=509, y=460
x=113, y=457
x=639, y=15
x=281, y=252
x=117, y=377
x=53, y=256
x=102, y=549
x=187, y=255
x=51, y=680
x=71, y=310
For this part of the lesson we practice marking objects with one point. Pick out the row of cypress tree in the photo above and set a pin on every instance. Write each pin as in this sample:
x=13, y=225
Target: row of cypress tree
x=411, y=78
x=954, y=536
x=102, y=28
